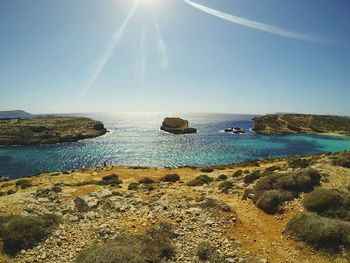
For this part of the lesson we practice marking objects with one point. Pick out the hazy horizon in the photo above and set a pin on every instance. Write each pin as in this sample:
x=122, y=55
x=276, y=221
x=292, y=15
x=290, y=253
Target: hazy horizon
x=182, y=56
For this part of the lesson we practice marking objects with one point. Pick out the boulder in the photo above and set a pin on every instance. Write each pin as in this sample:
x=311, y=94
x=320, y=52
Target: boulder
x=177, y=126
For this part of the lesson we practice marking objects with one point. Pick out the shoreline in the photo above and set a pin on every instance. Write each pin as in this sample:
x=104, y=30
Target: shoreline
x=244, y=228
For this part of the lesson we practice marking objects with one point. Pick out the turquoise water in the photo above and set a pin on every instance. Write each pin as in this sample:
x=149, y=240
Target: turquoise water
x=135, y=140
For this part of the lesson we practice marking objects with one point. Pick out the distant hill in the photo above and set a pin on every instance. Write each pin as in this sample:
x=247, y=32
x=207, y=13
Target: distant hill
x=15, y=114
x=301, y=123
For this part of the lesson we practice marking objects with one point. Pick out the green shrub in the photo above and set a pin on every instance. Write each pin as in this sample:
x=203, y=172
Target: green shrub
x=207, y=170
x=148, y=187
x=206, y=252
x=302, y=181
x=200, y=180
x=84, y=183
x=321, y=200
x=272, y=190
x=112, y=180
x=21, y=232
x=24, y=183
x=56, y=189
x=214, y=204
x=225, y=186
x=270, y=201
x=2, y=193
x=329, y=203
x=222, y=177
x=320, y=232
x=146, y=180
x=271, y=169
x=342, y=159
x=299, y=163
x=152, y=247
x=250, y=178
x=171, y=178
x=133, y=186
x=237, y=173
x=11, y=192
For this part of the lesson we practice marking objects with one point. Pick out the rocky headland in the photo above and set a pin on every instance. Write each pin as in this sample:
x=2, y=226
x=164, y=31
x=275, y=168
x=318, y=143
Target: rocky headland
x=177, y=126
x=15, y=114
x=249, y=212
x=48, y=130
x=301, y=123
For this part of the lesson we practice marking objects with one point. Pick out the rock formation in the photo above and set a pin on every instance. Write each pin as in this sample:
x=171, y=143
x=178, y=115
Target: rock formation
x=177, y=126
x=301, y=123
x=48, y=130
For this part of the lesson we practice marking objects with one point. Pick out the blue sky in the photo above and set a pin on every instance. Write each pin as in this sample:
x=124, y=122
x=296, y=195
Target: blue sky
x=85, y=56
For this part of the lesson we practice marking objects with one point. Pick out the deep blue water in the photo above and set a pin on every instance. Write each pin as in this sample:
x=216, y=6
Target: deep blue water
x=135, y=140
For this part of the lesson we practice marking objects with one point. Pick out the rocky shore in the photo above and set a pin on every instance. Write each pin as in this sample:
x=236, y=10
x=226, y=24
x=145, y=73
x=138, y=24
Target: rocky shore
x=48, y=130
x=301, y=123
x=202, y=214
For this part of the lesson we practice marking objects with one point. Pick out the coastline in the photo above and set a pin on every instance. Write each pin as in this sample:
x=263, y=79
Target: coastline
x=247, y=229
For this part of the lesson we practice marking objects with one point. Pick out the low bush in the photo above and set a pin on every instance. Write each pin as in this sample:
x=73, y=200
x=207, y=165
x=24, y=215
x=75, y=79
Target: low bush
x=214, y=204
x=2, y=193
x=225, y=186
x=250, y=178
x=11, y=192
x=133, y=186
x=270, y=201
x=112, y=180
x=207, y=170
x=84, y=183
x=272, y=190
x=24, y=183
x=147, y=187
x=22, y=232
x=146, y=180
x=56, y=189
x=329, y=203
x=321, y=200
x=152, y=247
x=200, y=180
x=206, y=252
x=222, y=177
x=297, y=182
x=320, y=232
x=171, y=178
x=237, y=173
x=342, y=159
x=271, y=169
x=299, y=163
x=303, y=181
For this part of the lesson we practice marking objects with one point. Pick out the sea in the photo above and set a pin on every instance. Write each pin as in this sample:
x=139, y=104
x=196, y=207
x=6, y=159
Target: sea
x=135, y=139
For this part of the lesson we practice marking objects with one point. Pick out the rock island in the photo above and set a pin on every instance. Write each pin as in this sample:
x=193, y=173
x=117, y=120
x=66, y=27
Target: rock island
x=177, y=126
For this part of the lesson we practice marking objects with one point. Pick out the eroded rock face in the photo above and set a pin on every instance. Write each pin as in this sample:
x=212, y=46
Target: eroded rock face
x=177, y=126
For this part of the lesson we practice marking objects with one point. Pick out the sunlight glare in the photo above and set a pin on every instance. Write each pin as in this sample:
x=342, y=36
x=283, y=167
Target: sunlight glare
x=148, y=1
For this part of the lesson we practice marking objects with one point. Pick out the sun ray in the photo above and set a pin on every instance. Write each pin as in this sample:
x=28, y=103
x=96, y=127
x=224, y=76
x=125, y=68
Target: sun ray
x=253, y=24
x=142, y=66
x=161, y=44
x=102, y=61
